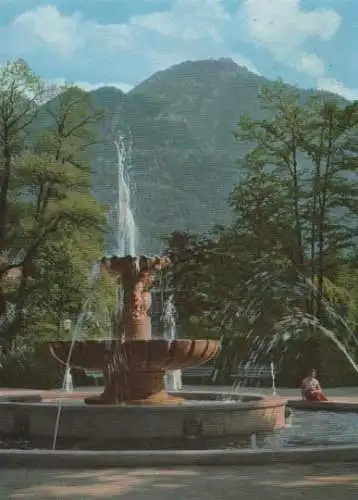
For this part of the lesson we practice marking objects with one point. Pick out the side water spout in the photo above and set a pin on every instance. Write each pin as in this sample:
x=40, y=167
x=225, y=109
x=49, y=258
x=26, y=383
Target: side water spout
x=68, y=380
x=173, y=378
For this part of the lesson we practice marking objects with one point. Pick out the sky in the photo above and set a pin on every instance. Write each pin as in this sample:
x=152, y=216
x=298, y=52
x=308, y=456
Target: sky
x=310, y=43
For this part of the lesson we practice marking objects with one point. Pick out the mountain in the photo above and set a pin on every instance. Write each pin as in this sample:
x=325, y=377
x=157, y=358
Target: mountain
x=180, y=123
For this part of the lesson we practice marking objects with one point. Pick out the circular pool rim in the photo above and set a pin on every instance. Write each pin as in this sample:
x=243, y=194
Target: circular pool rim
x=63, y=459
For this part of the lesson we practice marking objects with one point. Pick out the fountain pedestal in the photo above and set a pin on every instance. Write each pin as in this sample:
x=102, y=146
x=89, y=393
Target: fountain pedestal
x=135, y=365
x=134, y=387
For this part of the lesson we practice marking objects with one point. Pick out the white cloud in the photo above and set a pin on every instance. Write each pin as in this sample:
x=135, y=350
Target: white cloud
x=92, y=86
x=337, y=87
x=166, y=24
x=284, y=28
x=283, y=23
x=187, y=20
x=311, y=64
x=47, y=25
x=64, y=34
x=111, y=36
x=188, y=29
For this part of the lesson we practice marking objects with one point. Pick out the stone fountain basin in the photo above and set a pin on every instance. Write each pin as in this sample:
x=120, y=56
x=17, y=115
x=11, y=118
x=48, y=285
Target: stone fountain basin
x=140, y=355
x=134, y=426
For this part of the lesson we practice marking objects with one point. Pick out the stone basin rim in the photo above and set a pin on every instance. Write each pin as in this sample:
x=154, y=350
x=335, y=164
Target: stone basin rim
x=80, y=459
x=193, y=352
x=135, y=341
x=256, y=402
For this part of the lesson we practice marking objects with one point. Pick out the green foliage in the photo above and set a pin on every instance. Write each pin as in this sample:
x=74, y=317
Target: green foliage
x=63, y=285
x=52, y=227
x=190, y=277
x=299, y=180
x=30, y=368
x=277, y=273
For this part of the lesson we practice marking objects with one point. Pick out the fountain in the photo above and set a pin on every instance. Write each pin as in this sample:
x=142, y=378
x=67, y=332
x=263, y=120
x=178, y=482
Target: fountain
x=140, y=406
x=115, y=358
x=134, y=410
x=134, y=364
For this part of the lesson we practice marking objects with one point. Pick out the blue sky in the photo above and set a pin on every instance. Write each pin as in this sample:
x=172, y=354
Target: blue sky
x=311, y=43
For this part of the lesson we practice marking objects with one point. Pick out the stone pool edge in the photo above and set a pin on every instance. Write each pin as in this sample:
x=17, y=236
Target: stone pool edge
x=327, y=406
x=62, y=459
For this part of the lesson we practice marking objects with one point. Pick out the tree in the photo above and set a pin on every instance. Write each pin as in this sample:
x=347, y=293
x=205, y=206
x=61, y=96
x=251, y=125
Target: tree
x=294, y=207
x=300, y=186
x=190, y=277
x=47, y=207
x=275, y=150
x=64, y=288
x=331, y=145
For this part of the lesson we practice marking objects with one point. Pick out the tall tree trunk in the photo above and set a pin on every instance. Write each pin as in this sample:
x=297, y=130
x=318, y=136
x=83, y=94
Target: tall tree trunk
x=296, y=197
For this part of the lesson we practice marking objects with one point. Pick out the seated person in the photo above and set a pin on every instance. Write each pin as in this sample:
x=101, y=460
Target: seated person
x=311, y=389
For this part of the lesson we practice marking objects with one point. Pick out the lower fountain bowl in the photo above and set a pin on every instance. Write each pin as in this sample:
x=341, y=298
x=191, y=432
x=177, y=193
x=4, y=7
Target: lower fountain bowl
x=203, y=416
x=139, y=355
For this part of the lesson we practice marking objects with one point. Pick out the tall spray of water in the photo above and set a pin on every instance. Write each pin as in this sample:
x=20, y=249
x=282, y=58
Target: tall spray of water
x=121, y=215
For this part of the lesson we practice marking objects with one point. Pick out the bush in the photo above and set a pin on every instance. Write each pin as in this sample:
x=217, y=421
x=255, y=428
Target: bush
x=30, y=368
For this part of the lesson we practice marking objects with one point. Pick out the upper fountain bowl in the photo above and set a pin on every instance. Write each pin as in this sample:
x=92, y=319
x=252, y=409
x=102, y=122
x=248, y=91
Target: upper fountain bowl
x=139, y=355
x=143, y=263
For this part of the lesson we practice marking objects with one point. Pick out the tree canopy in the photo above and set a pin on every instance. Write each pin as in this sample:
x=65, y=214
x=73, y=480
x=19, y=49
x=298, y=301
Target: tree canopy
x=51, y=227
x=285, y=259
